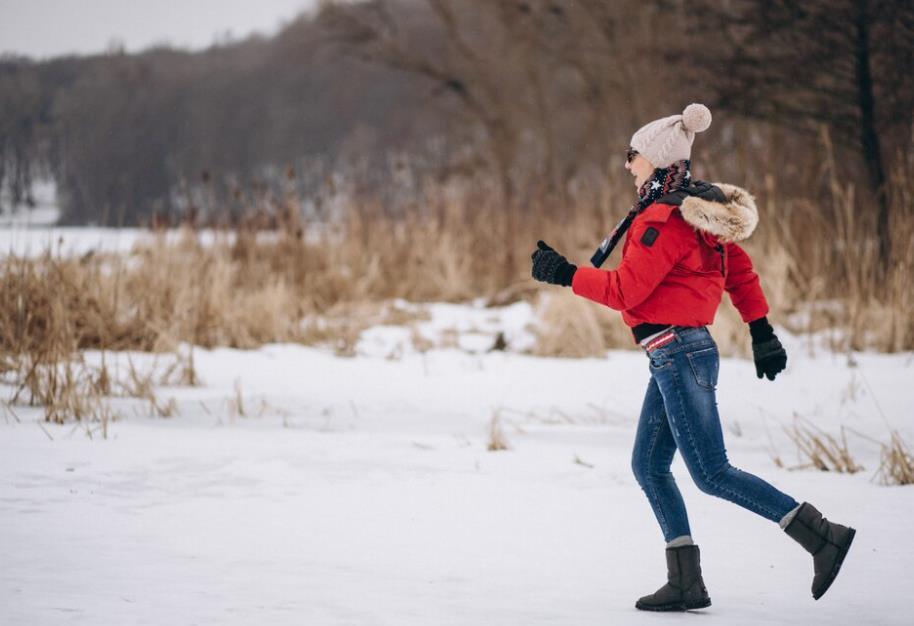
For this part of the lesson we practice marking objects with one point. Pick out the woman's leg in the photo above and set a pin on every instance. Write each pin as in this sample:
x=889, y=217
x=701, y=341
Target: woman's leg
x=651, y=459
x=687, y=378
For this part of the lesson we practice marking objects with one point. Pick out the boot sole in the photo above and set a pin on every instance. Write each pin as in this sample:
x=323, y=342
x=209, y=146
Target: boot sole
x=834, y=571
x=675, y=606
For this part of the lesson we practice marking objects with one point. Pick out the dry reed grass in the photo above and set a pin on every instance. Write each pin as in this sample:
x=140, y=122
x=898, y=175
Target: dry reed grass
x=569, y=326
x=72, y=389
x=825, y=259
x=243, y=289
x=821, y=450
x=896, y=466
x=497, y=439
x=324, y=281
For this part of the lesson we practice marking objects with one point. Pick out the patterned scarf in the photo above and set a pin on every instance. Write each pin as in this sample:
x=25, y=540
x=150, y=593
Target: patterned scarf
x=662, y=181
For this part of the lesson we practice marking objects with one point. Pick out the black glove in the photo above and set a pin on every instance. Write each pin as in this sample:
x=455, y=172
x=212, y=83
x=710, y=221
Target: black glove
x=551, y=267
x=770, y=356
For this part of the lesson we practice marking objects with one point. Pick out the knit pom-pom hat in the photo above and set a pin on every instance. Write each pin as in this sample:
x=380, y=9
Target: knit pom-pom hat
x=669, y=139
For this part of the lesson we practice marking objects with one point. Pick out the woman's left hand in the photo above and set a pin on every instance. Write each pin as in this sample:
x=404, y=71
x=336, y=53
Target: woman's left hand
x=770, y=357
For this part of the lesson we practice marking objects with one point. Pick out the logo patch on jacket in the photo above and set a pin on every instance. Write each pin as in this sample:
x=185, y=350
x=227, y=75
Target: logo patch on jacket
x=650, y=236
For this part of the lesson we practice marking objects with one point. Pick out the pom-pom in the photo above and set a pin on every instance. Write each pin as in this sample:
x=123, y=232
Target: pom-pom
x=696, y=118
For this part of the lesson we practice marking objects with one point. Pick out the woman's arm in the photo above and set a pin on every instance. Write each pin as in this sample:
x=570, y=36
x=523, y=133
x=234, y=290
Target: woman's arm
x=742, y=283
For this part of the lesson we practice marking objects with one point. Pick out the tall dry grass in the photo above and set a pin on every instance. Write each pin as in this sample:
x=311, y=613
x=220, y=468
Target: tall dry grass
x=275, y=276
x=248, y=287
x=819, y=260
x=896, y=466
x=821, y=450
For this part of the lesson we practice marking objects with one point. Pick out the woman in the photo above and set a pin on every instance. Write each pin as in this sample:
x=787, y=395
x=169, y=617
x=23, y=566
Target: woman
x=680, y=255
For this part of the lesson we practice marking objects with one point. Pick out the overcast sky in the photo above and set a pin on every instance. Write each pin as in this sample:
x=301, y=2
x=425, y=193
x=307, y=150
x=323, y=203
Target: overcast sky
x=45, y=28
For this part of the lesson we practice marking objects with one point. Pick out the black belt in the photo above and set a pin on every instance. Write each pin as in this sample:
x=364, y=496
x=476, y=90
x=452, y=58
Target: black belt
x=646, y=330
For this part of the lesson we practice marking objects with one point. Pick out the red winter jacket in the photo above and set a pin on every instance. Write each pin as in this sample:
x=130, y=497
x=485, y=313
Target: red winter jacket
x=678, y=260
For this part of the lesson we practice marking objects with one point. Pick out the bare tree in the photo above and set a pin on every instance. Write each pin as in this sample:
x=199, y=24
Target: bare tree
x=842, y=63
x=384, y=32
x=536, y=96
x=22, y=117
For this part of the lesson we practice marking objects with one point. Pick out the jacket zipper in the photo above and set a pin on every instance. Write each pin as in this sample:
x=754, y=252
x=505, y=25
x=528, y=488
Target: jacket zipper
x=720, y=251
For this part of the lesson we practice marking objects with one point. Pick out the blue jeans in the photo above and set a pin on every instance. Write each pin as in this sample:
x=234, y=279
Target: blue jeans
x=680, y=412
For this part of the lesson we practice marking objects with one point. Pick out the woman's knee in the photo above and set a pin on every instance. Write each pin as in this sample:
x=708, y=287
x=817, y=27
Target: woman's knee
x=709, y=481
x=639, y=468
x=647, y=470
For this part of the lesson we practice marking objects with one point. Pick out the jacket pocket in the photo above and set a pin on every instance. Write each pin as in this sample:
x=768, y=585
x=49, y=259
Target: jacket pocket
x=705, y=365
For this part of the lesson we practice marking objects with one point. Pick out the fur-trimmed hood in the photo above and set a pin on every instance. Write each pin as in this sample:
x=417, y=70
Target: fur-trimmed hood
x=726, y=211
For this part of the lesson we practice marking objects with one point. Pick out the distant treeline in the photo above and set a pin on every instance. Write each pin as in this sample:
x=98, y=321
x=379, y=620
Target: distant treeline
x=125, y=135
x=539, y=96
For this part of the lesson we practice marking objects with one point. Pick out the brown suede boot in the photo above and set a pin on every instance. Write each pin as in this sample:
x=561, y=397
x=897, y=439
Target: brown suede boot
x=684, y=589
x=826, y=541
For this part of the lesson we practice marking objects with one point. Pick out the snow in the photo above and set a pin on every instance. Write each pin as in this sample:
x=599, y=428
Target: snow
x=67, y=241
x=472, y=328
x=360, y=491
x=23, y=240
x=45, y=209
x=70, y=241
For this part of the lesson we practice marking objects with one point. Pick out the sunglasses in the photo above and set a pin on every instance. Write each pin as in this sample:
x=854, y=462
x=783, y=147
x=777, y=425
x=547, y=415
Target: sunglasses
x=630, y=155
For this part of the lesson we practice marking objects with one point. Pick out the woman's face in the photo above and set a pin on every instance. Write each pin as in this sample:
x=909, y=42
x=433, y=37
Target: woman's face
x=640, y=168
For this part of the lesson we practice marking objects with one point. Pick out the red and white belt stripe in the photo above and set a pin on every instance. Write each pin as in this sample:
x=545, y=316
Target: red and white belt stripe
x=660, y=341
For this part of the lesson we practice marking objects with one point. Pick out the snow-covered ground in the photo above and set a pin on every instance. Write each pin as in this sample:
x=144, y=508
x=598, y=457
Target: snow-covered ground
x=361, y=491
x=23, y=240
x=32, y=231
x=69, y=241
